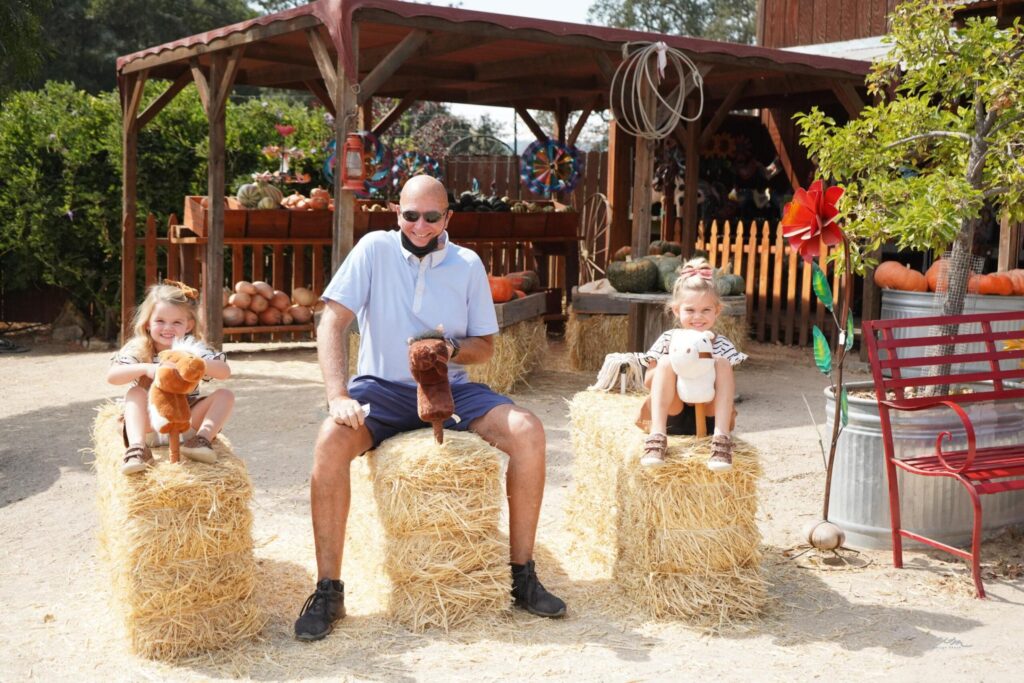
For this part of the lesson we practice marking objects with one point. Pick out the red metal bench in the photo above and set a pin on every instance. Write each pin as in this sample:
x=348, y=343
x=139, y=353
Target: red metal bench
x=896, y=349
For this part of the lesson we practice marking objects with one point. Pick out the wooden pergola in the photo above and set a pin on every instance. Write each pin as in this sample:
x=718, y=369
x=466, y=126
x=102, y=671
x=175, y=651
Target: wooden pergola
x=346, y=52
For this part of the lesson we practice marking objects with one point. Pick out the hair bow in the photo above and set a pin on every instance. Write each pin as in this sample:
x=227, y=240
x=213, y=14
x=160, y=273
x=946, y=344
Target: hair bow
x=704, y=272
x=186, y=291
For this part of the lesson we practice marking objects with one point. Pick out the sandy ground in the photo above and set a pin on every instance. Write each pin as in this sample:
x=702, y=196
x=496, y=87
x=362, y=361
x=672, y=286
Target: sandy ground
x=862, y=624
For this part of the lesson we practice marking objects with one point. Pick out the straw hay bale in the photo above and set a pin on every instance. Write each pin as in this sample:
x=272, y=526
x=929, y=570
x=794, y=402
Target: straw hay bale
x=518, y=350
x=591, y=337
x=734, y=327
x=681, y=540
x=178, y=541
x=440, y=506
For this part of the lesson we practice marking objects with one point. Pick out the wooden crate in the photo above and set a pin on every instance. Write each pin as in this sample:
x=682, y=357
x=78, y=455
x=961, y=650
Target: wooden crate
x=517, y=310
x=195, y=217
x=310, y=223
x=267, y=223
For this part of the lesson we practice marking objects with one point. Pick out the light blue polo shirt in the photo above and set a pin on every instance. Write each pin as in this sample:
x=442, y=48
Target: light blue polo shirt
x=396, y=296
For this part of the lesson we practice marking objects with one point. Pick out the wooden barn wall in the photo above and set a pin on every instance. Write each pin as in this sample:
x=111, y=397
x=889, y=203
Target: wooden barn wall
x=784, y=23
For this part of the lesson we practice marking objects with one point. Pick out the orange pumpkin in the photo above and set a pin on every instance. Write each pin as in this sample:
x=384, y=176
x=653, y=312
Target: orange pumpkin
x=974, y=284
x=1017, y=279
x=501, y=289
x=895, y=275
x=935, y=272
x=996, y=283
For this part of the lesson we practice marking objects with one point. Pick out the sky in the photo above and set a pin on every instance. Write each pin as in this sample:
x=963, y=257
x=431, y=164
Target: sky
x=574, y=11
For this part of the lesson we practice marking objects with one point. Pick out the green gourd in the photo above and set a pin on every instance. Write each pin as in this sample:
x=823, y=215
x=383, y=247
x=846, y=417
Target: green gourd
x=249, y=195
x=735, y=284
x=268, y=190
x=633, y=276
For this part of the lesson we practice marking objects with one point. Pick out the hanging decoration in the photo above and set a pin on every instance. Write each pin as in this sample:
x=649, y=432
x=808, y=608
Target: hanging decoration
x=549, y=166
x=637, y=100
x=377, y=158
x=409, y=164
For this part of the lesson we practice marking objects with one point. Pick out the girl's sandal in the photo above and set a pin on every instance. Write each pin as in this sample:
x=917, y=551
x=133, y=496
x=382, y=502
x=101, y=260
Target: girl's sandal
x=721, y=453
x=136, y=459
x=655, y=446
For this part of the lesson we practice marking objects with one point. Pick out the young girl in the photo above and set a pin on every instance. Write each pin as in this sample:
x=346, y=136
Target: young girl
x=167, y=313
x=696, y=303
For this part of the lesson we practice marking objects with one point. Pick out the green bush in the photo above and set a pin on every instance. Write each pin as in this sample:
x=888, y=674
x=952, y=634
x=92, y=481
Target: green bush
x=60, y=189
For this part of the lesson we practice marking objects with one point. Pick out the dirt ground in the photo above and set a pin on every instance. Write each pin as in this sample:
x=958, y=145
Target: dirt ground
x=853, y=624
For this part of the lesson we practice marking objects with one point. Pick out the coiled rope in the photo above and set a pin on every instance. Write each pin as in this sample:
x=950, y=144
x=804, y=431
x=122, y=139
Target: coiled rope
x=643, y=68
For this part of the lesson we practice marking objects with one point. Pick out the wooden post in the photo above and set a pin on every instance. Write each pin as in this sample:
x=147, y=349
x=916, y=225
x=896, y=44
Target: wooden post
x=691, y=180
x=1009, y=243
x=346, y=102
x=223, y=69
x=643, y=174
x=620, y=155
x=131, y=87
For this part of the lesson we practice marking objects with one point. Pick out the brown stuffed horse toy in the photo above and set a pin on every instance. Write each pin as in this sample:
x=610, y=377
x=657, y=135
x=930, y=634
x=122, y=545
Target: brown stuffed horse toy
x=180, y=371
x=428, y=363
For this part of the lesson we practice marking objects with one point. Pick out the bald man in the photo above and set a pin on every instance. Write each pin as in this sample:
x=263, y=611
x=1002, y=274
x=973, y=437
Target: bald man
x=399, y=284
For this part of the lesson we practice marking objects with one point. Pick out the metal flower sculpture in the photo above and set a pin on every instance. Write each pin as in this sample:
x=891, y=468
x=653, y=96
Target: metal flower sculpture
x=809, y=223
x=810, y=219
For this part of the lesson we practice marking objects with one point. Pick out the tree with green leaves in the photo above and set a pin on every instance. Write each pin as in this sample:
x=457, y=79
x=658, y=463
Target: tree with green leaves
x=20, y=42
x=944, y=140
x=731, y=20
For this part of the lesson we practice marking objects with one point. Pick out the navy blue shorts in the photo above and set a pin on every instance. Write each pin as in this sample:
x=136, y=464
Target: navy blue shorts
x=393, y=405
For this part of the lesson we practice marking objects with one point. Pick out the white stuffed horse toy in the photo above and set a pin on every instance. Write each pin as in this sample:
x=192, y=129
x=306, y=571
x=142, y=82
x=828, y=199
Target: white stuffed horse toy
x=689, y=352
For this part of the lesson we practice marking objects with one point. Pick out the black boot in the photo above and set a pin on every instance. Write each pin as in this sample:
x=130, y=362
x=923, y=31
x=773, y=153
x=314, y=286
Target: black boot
x=324, y=607
x=531, y=595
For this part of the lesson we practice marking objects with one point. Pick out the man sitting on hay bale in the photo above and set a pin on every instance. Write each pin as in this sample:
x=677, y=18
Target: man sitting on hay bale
x=400, y=284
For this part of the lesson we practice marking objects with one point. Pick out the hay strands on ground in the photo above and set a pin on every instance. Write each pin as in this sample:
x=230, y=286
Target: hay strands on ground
x=838, y=559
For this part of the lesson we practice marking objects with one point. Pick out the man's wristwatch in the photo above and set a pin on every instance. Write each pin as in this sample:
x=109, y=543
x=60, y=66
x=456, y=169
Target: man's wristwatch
x=454, y=343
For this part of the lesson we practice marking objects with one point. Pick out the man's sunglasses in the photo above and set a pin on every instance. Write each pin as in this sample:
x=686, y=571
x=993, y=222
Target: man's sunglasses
x=428, y=216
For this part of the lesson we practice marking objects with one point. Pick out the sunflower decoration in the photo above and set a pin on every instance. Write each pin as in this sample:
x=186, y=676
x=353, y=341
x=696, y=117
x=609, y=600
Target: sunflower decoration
x=721, y=146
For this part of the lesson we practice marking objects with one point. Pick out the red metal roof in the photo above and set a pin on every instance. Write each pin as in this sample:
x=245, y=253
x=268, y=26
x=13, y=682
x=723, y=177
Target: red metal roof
x=337, y=15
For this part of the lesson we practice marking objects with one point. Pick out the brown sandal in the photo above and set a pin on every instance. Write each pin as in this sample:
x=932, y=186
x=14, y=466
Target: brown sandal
x=136, y=459
x=721, y=453
x=655, y=446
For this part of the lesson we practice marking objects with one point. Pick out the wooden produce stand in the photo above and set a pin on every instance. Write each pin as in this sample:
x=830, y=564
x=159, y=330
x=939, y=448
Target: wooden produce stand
x=648, y=317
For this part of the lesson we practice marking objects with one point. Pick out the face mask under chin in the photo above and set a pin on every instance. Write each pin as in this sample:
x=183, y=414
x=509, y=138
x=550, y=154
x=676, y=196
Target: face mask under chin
x=419, y=252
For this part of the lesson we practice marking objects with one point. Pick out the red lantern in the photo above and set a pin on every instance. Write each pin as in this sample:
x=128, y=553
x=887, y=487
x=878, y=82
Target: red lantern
x=353, y=170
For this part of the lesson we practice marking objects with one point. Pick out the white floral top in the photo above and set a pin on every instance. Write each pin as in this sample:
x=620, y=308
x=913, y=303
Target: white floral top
x=130, y=354
x=720, y=347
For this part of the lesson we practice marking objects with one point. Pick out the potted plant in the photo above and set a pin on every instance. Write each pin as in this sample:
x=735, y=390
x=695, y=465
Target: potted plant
x=919, y=167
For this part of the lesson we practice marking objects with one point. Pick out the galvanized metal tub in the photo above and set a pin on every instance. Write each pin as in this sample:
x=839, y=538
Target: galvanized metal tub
x=897, y=305
x=937, y=507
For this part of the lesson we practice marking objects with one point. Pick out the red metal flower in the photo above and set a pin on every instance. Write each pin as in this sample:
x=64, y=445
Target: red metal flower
x=810, y=219
x=284, y=130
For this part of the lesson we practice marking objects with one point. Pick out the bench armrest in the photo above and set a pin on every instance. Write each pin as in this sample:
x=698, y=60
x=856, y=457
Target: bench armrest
x=968, y=429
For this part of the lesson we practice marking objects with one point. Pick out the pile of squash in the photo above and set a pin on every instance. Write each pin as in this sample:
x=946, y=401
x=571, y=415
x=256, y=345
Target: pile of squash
x=658, y=271
x=262, y=195
x=513, y=286
x=895, y=275
x=257, y=303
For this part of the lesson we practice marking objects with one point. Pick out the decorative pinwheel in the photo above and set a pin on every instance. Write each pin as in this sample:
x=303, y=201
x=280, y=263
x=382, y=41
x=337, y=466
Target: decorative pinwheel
x=550, y=166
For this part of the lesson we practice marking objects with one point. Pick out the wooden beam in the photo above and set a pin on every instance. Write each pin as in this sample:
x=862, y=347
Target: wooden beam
x=561, y=119
x=131, y=86
x=280, y=74
x=396, y=112
x=722, y=112
x=620, y=156
x=547, y=88
x=323, y=61
x=320, y=92
x=534, y=127
x=580, y=122
x=226, y=81
x=643, y=174
x=440, y=44
x=1009, y=243
x=770, y=119
x=690, y=181
x=389, y=65
x=201, y=84
x=604, y=63
x=252, y=35
x=542, y=65
x=343, y=226
x=848, y=97
x=166, y=96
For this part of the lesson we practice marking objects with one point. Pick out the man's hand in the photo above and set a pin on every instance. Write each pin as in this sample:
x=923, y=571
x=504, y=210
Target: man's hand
x=346, y=411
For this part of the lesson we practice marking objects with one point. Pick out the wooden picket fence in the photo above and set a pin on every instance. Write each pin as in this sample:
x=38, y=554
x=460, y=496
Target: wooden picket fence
x=781, y=307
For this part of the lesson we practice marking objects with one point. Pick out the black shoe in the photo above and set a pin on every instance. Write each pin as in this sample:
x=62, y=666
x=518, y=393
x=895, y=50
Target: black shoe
x=531, y=595
x=324, y=607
